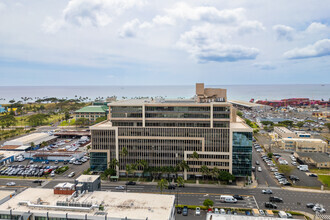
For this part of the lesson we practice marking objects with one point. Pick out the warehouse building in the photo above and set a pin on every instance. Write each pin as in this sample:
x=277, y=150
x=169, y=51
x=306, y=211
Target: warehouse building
x=318, y=160
x=249, y=105
x=302, y=145
x=24, y=143
x=167, y=132
x=39, y=203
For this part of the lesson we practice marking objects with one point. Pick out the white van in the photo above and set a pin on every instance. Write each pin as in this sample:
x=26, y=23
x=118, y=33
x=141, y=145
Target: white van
x=229, y=199
x=303, y=167
x=282, y=214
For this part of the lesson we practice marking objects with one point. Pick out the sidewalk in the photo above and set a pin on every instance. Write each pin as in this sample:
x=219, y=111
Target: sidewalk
x=306, y=190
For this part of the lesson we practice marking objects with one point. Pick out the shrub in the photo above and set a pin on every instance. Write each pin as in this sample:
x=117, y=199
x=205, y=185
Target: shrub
x=208, y=202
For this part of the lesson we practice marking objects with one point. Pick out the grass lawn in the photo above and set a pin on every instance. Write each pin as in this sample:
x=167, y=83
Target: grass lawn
x=325, y=179
x=68, y=123
x=23, y=120
x=320, y=171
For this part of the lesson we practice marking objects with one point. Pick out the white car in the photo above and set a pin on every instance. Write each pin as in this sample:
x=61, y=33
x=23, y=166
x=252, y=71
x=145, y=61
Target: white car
x=11, y=184
x=259, y=169
x=198, y=211
x=120, y=187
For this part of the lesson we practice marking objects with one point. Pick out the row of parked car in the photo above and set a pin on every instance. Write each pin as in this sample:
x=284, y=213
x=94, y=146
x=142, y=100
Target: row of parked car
x=29, y=170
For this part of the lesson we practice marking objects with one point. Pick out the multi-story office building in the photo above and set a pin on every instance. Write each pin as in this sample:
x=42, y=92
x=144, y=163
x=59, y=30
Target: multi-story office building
x=166, y=132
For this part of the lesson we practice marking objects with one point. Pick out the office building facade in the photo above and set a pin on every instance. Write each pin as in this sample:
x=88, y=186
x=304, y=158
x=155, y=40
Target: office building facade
x=166, y=132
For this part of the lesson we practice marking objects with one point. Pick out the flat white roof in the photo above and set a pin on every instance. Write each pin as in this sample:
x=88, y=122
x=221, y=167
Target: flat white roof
x=304, y=140
x=7, y=154
x=239, y=125
x=5, y=193
x=87, y=178
x=246, y=104
x=27, y=140
x=65, y=185
x=116, y=204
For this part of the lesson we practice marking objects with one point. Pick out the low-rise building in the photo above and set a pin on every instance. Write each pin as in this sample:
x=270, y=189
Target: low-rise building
x=40, y=203
x=302, y=145
x=2, y=109
x=25, y=143
x=92, y=112
x=283, y=132
x=318, y=160
x=90, y=183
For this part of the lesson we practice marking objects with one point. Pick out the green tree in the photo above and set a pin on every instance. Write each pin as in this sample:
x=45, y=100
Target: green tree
x=129, y=170
x=182, y=166
x=180, y=180
x=144, y=164
x=195, y=156
x=225, y=176
x=285, y=169
x=328, y=125
x=37, y=119
x=66, y=115
x=239, y=113
x=162, y=184
x=82, y=122
x=114, y=163
x=300, y=124
x=205, y=171
x=7, y=121
x=124, y=152
x=208, y=203
x=270, y=154
x=215, y=172
x=100, y=119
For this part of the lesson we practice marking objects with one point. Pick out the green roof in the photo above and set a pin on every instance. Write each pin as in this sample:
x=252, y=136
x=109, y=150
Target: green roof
x=93, y=109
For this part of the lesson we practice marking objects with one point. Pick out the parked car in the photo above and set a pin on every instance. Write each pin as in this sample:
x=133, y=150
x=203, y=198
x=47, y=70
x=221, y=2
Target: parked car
x=179, y=210
x=247, y=213
x=171, y=186
x=71, y=174
x=270, y=205
x=185, y=211
x=222, y=211
x=259, y=169
x=312, y=175
x=262, y=213
x=257, y=163
x=216, y=211
x=198, y=211
x=267, y=191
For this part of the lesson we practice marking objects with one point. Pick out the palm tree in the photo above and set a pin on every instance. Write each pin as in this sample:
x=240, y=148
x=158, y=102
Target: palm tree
x=205, y=171
x=134, y=168
x=194, y=156
x=162, y=184
x=114, y=163
x=180, y=181
x=183, y=166
x=144, y=164
x=129, y=170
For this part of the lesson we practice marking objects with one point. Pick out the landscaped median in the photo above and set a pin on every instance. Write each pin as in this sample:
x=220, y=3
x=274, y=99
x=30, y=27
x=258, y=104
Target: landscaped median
x=240, y=211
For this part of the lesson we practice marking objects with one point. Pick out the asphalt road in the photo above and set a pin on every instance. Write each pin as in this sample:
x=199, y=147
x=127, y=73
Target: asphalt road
x=253, y=198
x=264, y=178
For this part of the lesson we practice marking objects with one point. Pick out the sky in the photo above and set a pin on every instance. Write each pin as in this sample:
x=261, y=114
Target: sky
x=153, y=42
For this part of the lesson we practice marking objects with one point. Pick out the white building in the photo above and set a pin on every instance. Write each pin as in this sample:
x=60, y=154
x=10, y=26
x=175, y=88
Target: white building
x=39, y=203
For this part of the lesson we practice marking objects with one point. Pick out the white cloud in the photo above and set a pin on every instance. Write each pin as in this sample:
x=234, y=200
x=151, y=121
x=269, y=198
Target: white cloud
x=130, y=29
x=204, y=43
x=284, y=32
x=316, y=27
x=97, y=13
x=3, y=6
x=265, y=65
x=318, y=49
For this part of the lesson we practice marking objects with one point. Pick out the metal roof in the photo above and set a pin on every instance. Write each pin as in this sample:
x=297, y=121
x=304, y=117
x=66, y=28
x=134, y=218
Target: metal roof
x=92, y=109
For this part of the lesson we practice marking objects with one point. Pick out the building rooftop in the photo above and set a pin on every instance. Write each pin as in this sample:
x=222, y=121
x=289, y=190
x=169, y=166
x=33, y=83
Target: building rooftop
x=317, y=157
x=92, y=109
x=304, y=140
x=161, y=101
x=5, y=193
x=116, y=204
x=283, y=130
x=246, y=104
x=87, y=178
x=28, y=139
x=65, y=185
x=240, y=125
x=237, y=217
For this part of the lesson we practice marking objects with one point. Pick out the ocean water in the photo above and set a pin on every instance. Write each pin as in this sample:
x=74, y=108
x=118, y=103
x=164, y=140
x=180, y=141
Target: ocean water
x=234, y=92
